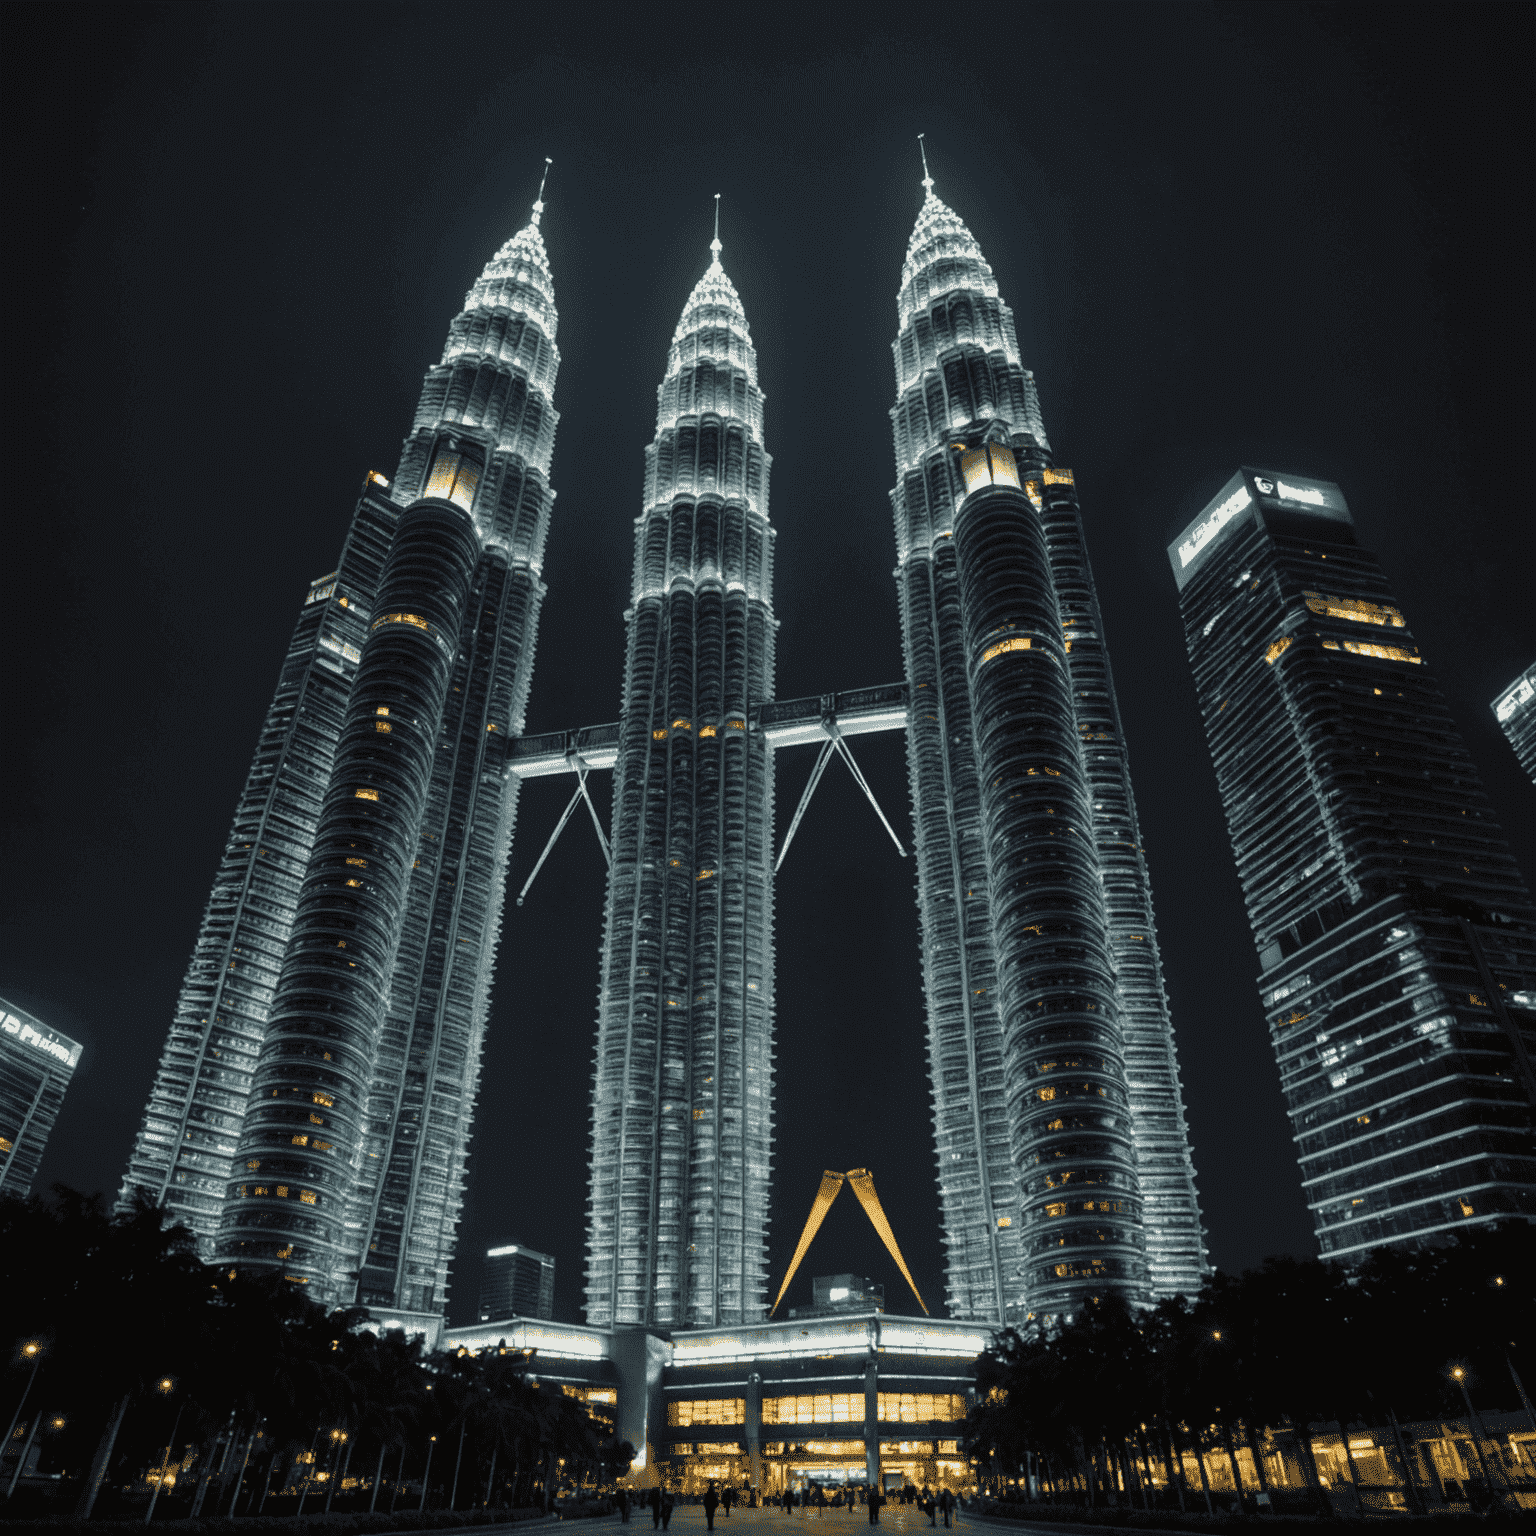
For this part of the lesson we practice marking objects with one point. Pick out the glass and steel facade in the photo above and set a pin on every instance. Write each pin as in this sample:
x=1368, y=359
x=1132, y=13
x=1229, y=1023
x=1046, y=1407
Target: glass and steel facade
x=36, y=1064
x=682, y=1105
x=516, y=1282
x=960, y=381
x=313, y=1107
x=1515, y=710
x=1397, y=942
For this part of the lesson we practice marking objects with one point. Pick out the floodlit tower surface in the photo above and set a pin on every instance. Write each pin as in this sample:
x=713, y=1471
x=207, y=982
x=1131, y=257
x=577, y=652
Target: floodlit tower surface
x=1396, y=939
x=36, y=1064
x=682, y=1102
x=1515, y=710
x=958, y=368
x=183, y=1155
x=361, y=1096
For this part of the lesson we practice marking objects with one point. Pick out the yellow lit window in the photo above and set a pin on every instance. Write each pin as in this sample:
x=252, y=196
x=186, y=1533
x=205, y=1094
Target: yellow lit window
x=355, y=882
x=1005, y=1221
x=301, y=1141
x=682, y=725
x=254, y=1164
x=737, y=725
x=1330, y=645
x=1032, y=490
x=383, y=727
x=1356, y=609
x=699, y=1114
x=282, y=1191
x=709, y=1410
x=1382, y=652
x=358, y=863
x=659, y=735
x=1466, y=1207
x=383, y=709
x=415, y=620
x=258, y=1189
x=1278, y=649
x=285, y=1253
x=322, y=1146
x=706, y=730
x=1058, y=477
x=991, y=464
x=921, y=1407
x=307, y=1196
x=1362, y=1119
x=823, y=1408
x=367, y=794
x=1018, y=643
x=1056, y=1208
x=1047, y=1094
x=324, y=1098
x=704, y=874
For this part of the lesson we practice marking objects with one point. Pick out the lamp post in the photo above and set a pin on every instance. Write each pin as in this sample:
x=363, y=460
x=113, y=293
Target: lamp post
x=1473, y=1426
x=165, y=1386
x=32, y=1350
x=425, y=1476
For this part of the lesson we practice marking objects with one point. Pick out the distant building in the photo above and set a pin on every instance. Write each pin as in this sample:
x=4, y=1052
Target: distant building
x=1396, y=938
x=831, y=1294
x=1515, y=710
x=36, y=1064
x=516, y=1282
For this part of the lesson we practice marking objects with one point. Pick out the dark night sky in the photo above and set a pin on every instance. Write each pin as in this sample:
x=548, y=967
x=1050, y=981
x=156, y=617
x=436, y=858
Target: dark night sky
x=1295, y=237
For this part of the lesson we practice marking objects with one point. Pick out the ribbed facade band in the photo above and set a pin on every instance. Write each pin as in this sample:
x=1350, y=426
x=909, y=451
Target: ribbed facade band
x=958, y=372
x=682, y=1106
x=1396, y=938
x=1515, y=710
x=369, y=936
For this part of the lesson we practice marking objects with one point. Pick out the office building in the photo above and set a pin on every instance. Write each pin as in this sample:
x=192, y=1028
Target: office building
x=1396, y=939
x=1515, y=710
x=516, y=1282
x=682, y=1102
x=313, y=1105
x=1040, y=1206
x=36, y=1064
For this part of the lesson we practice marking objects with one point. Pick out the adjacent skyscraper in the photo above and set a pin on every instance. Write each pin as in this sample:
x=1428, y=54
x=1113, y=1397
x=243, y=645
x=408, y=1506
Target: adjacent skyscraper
x=516, y=1282
x=1064, y=1162
x=36, y=1064
x=1396, y=940
x=313, y=1106
x=1515, y=710
x=682, y=1105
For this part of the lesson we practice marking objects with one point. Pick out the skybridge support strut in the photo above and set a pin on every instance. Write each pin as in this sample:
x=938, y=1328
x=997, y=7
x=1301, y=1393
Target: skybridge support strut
x=577, y=797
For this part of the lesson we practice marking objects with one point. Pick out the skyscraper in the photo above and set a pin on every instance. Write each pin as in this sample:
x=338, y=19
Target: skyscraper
x=36, y=1064
x=682, y=1104
x=1396, y=939
x=1515, y=710
x=1013, y=1154
x=313, y=1107
x=516, y=1282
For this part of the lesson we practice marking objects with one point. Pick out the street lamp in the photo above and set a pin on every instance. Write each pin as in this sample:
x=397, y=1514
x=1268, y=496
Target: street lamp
x=31, y=1351
x=165, y=1386
x=1460, y=1377
x=431, y=1446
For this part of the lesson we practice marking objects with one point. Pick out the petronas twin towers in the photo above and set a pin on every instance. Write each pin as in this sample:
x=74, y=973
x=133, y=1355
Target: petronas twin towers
x=314, y=1101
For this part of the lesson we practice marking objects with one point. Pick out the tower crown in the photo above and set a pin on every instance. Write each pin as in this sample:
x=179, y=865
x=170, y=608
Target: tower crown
x=942, y=255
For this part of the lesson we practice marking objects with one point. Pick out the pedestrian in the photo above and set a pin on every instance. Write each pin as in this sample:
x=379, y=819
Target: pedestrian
x=667, y=1503
x=711, y=1504
x=655, y=1503
x=876, y=1499
x=727, y=1498
x=624, y=1505
x=946, y=1503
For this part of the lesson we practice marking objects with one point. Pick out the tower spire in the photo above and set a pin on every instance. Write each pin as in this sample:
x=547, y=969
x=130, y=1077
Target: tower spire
x=923, y=151
x=714, y=245
x=538, y=207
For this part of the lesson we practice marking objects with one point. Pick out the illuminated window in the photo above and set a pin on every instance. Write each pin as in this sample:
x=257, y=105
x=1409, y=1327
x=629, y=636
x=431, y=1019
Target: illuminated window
x=921, y=1407
x=455, y=477
x=659, y=735
x=1005, y=1221
x=1056, y=1208
x=699, y=1114
x=282, y=1191
x=1047, y=1094
x=307, y=1196
x=737, y=725
x=254, y=1164
x=301, y=1141
x=415, y=620
x=704, y=874
x=710, y=1410
x=1058, y=477
x=367, y=794
x=358, y=863
x=1278, y=649
x=1356, y=609
x=706, y=730
x=258, y=1189
x=324, y=1098
x=383, y=727
x=1018, y=643
x=990, y=464
x=825, y=1408
x=355, y=882
x=1382, y=652
x=682, y=725
x=383, y=709
x=1466, y=1207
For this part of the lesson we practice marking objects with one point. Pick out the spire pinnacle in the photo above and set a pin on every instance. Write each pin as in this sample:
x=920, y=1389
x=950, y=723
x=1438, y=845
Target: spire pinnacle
x=923, y=150
x=538, y=207
x=714, y=245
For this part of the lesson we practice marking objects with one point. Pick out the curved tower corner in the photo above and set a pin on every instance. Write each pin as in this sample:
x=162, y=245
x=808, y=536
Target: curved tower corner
x=682, y=1109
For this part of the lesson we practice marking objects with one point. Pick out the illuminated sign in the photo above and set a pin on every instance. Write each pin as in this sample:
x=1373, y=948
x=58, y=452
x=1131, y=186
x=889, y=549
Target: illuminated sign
x=40, y=1038
x=1203, y=533
x=500, y=1253
x=1517, y=698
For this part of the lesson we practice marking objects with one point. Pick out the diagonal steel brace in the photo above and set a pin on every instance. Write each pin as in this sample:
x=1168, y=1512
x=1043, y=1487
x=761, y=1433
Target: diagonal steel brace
x=565, y=815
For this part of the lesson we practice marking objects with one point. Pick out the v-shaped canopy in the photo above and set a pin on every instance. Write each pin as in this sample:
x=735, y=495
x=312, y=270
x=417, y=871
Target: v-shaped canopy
x=863, y=1184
